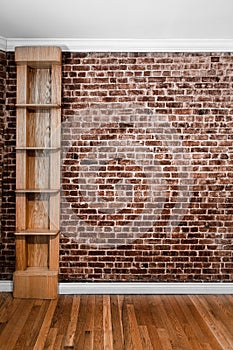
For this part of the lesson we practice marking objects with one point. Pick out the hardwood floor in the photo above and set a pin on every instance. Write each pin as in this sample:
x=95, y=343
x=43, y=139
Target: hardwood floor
x=181, y=322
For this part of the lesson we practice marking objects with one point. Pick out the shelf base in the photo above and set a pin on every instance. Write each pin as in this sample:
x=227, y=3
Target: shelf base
x=35, y=283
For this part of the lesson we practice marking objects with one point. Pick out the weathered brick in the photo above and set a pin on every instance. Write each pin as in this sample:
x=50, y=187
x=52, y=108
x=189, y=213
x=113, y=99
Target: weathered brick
x=192, y=93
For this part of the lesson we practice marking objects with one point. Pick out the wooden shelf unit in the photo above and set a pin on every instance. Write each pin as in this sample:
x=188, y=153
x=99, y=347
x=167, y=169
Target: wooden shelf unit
x=37, y=171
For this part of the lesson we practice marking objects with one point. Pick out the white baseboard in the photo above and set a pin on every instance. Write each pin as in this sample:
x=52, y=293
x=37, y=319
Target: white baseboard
x=6, y=286
x=125, y=45
x=135, y=288
x=145, y=288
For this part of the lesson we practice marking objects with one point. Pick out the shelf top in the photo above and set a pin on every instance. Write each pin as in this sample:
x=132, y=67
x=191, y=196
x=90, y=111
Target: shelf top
x=38, y=56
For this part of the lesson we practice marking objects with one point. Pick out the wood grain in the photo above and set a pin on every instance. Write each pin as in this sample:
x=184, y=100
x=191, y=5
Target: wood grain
x=37, y=170
x=117, y=322
x=37, y=251
x=38, y=174
x=39, y=86
x=21, y=247
x=22, y=92
x=37, y=211
x=38, y=128
x=72, y=325
x=37, y=56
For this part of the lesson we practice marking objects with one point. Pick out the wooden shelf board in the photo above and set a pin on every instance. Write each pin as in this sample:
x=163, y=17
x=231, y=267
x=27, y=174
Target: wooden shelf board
x=34, y=190
x=36, y=232
x=38, y=106
x=29, y=148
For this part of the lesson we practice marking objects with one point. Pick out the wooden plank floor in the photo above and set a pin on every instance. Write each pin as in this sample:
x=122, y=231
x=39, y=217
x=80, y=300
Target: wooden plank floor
x=180, y=322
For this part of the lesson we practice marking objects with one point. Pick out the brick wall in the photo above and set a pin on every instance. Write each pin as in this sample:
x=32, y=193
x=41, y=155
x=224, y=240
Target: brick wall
x=146, y=167
x=8, y=133
x=2, y=113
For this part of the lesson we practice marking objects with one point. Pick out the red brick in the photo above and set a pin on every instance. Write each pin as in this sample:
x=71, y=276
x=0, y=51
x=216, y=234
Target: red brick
x=193, y=92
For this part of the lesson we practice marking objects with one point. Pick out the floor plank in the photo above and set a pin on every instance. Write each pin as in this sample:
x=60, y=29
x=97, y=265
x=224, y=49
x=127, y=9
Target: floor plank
x=107, y=323
x=134, y=329
x=98, y=323
x=73, y=320
x=44, y=330
x=217, y=328
x=145, y=338
x=117, y=329
x=30, y=331
x=13, y=329
x=117, y=322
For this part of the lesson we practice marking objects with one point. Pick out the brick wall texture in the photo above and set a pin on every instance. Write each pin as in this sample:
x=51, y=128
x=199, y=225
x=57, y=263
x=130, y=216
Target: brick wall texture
x=147, y=167
x=2, y=114
x=7, y=167
x=2, y=111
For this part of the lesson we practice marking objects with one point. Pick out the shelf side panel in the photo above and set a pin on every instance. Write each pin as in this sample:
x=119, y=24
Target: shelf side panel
x=21, y=127
x=56, y=84
x=54, y=252
x=21, y=253
x=21, y=179
x=55, y=212
x=21, y=209
x=55, y=170
x=55, y=123
x=22, y=77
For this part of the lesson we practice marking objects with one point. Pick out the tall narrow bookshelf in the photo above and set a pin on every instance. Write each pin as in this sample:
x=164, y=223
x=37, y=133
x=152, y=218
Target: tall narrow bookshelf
x=37, y=171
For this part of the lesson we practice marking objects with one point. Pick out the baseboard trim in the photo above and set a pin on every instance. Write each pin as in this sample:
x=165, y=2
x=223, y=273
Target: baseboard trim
x=135, y=288
x=126, y=45
x=145, y=288
x=6, y=286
